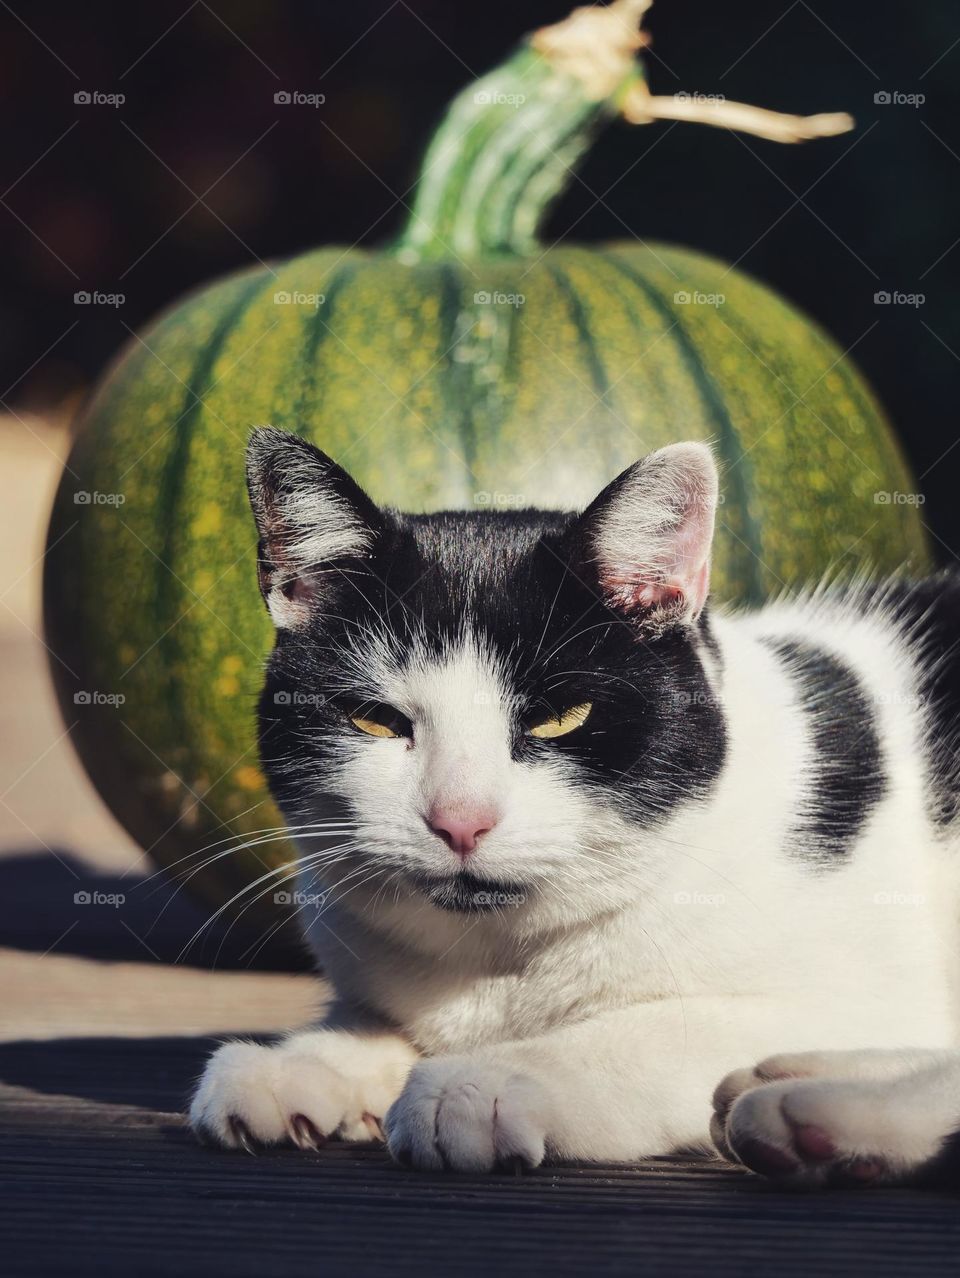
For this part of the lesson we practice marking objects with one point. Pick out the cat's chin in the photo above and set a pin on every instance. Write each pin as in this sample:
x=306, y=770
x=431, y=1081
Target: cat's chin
x=467, y=894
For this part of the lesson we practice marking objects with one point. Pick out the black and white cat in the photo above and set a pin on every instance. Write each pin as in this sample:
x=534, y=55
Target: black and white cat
x=600, y=846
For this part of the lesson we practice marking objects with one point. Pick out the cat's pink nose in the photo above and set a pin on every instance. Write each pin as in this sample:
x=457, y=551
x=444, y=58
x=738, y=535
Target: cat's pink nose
x=460, y=831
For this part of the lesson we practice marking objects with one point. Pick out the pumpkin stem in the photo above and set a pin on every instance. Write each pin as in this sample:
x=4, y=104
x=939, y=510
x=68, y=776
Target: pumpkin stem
x=641, y=107
x=510, y=142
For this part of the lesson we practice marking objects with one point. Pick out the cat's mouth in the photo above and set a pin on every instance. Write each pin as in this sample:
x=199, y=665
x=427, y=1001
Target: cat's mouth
x=465, y=893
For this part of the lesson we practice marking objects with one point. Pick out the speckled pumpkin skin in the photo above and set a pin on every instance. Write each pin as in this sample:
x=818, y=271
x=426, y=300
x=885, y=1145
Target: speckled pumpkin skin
x=432, y=397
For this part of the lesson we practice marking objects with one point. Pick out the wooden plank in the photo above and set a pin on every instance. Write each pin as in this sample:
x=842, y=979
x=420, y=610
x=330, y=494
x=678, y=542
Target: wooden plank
x=99, y=1175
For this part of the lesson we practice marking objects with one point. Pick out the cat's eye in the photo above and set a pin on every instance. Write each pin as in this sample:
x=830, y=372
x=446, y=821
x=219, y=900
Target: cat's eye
x=379, y=720
x=571, y=719
x=371, y=727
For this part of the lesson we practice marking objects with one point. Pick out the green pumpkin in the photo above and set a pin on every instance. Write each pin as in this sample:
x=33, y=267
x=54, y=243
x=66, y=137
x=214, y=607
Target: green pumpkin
x=464, y=365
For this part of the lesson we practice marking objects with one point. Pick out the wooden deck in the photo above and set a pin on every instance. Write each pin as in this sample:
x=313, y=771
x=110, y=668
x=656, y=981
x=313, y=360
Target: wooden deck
x=100, y=1176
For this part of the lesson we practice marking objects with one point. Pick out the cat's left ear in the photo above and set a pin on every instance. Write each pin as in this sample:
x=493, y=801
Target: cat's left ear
x=647, y=538
x=311, y=517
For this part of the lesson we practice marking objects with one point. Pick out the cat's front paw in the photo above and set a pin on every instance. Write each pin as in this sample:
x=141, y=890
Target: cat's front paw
x=302, y=1091
x=464, y=1115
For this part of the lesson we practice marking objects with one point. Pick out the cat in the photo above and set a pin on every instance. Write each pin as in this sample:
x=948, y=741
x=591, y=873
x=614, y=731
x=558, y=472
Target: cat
x=583, y=850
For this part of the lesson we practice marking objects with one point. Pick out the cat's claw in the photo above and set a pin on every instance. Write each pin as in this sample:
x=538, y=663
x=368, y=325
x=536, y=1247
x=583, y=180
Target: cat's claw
x=296, y=1092
x=374, y=1126
x=304, y=1134
x=459, y=1115
x=241, y=1134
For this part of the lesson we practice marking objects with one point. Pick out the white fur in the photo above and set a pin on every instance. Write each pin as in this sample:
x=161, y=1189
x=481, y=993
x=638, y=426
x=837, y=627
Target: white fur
x=318, y=528
x=304, y=524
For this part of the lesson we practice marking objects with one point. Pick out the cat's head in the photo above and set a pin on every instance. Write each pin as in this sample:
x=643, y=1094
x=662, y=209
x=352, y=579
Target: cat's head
x=502, y=703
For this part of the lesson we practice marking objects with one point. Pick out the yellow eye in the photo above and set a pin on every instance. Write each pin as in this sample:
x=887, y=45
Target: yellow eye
x=372, y=728
x=575, y=717
x=377, y=719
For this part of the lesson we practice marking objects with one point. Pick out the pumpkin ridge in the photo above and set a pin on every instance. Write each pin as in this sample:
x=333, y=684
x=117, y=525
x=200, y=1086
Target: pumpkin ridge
x=598, y=373
x=173, y=487
x=732, y=452
x=458, y=407
x=343, y=273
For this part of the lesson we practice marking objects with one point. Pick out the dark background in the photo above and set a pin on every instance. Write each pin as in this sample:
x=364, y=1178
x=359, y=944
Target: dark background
x=96, y=197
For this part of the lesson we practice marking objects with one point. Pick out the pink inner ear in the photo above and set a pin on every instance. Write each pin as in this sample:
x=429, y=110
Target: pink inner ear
x=691, y=575
x=291, y=601
x=641, y=594
x=300, y=589
x=674, y=572
x=648, y=596
x=699, y=587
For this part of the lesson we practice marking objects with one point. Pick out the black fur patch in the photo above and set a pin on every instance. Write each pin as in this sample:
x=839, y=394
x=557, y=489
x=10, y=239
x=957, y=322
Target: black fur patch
x=929, y=611
x=846, y=779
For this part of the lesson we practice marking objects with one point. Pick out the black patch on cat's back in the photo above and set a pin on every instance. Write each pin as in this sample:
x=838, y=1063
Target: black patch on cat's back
x=845, y=777
x=929, y=613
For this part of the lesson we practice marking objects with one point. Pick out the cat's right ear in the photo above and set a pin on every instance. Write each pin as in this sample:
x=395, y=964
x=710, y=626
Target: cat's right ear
x=310, y=515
